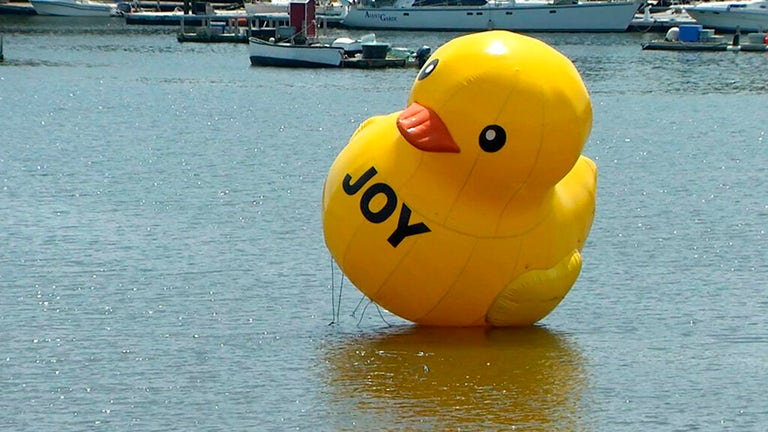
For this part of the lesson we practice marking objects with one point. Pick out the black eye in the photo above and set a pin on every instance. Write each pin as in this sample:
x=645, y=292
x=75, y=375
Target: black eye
x=492, y=138
x=428, y=69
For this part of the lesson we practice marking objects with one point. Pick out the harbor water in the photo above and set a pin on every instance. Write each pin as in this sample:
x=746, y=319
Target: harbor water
x=162, y=263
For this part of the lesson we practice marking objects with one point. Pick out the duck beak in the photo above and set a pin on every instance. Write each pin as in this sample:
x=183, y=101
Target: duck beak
x=423, y=129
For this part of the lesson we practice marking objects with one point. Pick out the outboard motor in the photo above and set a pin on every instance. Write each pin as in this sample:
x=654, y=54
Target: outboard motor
x=422, y=55
x=124, y=7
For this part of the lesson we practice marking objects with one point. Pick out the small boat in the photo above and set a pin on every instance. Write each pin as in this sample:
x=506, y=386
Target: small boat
x=289, y=54
x=75, y=8
x=478, y=15
x=730, y=16
x=695, y=38
x=295, y=45
x=302, y=48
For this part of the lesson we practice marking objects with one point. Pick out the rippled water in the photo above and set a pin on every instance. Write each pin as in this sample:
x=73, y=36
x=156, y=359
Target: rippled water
x=162, y=265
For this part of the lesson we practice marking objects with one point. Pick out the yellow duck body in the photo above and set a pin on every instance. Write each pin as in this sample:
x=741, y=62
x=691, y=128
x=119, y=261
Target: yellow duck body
x=471, y=206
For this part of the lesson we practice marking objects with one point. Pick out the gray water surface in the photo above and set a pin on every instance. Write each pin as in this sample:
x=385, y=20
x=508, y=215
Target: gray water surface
x=162, y=264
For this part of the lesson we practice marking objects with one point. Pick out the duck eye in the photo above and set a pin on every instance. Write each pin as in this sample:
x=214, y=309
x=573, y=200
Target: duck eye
x=492, y=138
x=428, y=69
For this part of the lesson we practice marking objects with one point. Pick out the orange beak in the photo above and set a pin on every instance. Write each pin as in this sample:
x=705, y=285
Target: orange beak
x=423, y=129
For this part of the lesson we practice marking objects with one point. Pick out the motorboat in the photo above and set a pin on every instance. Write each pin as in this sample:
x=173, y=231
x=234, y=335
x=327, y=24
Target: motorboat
x=732, y=16
x=478, y=15
x=75, y=8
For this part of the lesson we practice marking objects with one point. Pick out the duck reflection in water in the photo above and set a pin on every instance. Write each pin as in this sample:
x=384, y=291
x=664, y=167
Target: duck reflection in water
x=431, y=378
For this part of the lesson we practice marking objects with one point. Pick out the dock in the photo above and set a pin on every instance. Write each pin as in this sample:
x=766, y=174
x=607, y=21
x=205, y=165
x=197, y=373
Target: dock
x=207, y=37
x=175, y=18
x=237, y=27
x=364, y=63
x=222, y=28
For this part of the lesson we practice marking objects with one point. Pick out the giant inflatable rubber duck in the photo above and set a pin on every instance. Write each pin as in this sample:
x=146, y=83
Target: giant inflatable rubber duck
x=471, y=206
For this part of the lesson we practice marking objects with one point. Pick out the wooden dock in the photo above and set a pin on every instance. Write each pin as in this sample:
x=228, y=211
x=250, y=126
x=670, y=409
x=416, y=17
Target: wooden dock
x=207, y=37
x=234, y=28
x=222, y=28
x=177, y=18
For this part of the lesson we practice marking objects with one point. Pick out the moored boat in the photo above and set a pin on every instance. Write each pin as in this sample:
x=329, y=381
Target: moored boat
x=516, y=15
x=287, y=54
x=75, y=8
x=696, y=38
x=671, y=16
x=664, y=45
x=744, y=16
x=299, y=47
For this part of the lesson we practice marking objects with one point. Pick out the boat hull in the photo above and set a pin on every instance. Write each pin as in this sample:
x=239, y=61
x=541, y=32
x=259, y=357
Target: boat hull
x=583, y=17
x=264, y=53
x=702, y=46
x=74, y=8
x=724, y=17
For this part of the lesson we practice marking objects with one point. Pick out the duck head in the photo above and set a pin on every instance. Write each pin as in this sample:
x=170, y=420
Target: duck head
x=503, y=109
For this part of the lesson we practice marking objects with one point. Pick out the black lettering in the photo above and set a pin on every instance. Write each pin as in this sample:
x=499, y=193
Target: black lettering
x=404, y=230
x=353, y=188
x=389, y=207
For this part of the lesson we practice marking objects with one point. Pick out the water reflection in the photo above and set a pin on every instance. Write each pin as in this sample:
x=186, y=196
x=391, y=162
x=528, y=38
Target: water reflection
x=435, y=378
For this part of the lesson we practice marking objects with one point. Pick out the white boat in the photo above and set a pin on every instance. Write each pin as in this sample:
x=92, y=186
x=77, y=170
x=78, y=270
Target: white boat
x=322, y=7
x=730, y=16
x=671, y=16
x=517, y=15
x=287, y=54
x=296, y=45
x=260, y=7
x=76, y=8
